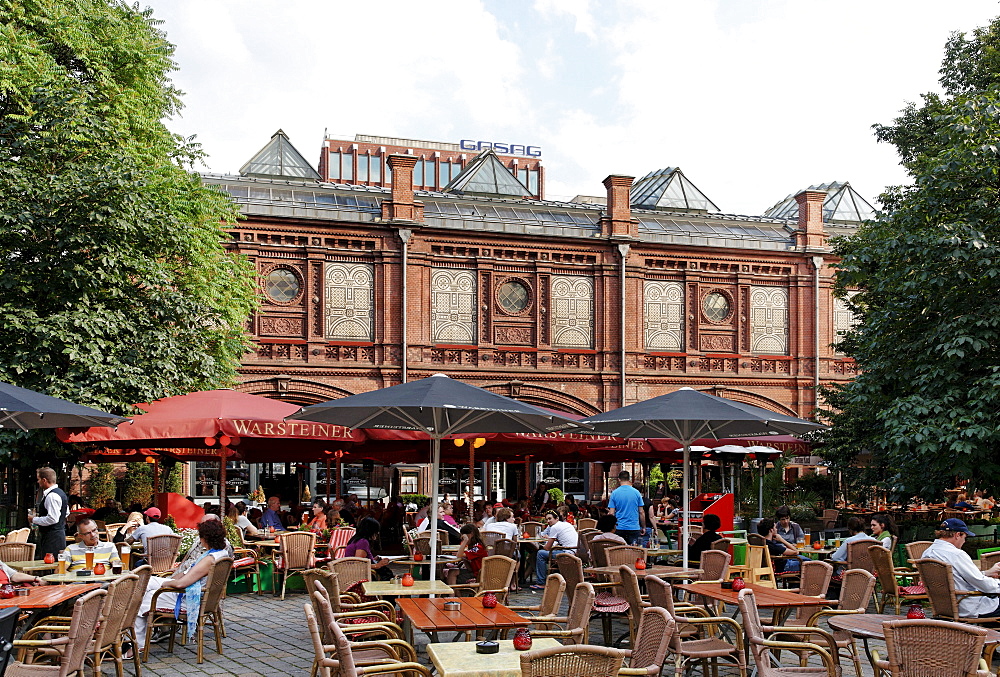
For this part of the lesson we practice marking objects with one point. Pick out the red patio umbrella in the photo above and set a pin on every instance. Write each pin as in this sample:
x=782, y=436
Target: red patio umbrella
x=220, y=424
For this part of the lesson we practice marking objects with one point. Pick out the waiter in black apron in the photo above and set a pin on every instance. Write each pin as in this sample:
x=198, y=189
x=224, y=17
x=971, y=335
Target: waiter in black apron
x=50, y=515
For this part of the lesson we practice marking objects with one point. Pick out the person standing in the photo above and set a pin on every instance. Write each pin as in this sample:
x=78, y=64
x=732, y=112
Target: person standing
x=626, y=505
x=50, y=514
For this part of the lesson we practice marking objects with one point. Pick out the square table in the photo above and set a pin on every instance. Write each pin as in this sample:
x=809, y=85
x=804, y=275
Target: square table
x=656, y=570
x=48, y=596
x=459, y=659
x=29, y=565
x=766, y=598
x=418, y=589
x=428, y=614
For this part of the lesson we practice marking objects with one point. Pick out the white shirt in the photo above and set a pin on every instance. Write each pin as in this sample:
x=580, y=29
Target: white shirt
x=151, y=529
x=967, y=577
x=841, y=553
x=244, y=523
x=489, y=520
x=508, y=529
x=53, y=508
x=565, y=535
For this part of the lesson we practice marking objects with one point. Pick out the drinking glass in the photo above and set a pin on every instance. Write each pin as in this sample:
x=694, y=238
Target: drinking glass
x=61, y=566
x=126, y=557
x=808, y=537
x=89, y=556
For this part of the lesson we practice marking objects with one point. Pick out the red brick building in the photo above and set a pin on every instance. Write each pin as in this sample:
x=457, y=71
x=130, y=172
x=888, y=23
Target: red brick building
x=579, y=306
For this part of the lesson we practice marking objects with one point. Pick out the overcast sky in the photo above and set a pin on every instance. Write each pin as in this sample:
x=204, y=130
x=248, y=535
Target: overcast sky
x=753, y=99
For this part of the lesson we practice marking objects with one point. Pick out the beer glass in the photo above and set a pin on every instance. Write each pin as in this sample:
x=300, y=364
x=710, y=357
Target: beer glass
x=60, y=566
x=89, y=556
x=808, y=537
x=126, y=557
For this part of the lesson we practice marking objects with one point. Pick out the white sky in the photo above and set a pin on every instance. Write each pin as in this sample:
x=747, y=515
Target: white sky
x=753, y=99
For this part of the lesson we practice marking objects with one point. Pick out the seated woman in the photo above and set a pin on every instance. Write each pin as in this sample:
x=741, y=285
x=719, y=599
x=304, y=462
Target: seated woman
x=857, y=529
x=883, y=529
x=471, y=552
x=133, y=522
x=190, y=576
x=317, y=521
x=445, y=510
x=243, y=521
x=360, y=546
x=607, y=524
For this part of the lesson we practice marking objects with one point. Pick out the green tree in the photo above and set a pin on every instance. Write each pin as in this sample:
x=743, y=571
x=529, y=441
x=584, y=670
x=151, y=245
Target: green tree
x=173, y=480
x=926, y=404
x=115, y=285
x=102, y=484
x=137, y=484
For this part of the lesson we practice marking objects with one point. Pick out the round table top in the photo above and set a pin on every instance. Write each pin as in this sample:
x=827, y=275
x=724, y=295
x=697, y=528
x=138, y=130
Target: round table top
x=869, y=626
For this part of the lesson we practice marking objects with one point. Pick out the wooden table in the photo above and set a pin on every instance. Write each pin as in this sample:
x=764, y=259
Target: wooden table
x=442, y=559
x=418, y=589
x=71, y=577
x=766, y=598
x=459, y=659
x=428, y=614
x=869, y=626
x=48, y=596
x=656, y=570
x=28, y=565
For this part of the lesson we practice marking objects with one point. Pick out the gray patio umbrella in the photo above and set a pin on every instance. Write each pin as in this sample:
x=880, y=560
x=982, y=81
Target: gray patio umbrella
x=439, y=406
x=28, y=410
x=686, y=415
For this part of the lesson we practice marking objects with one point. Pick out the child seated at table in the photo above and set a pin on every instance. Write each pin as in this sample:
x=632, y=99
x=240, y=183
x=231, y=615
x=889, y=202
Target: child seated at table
x=360, y=546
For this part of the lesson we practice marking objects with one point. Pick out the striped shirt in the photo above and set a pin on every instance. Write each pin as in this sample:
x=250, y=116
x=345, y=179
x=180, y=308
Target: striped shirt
x=76, y=555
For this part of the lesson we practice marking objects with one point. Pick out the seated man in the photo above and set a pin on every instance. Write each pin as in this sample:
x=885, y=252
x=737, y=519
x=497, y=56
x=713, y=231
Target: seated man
x=152, y=527
x=562, y=537
x=711, y=524
x=90, y=541
x=776, y=545
x=857, y=529
x=947, y=547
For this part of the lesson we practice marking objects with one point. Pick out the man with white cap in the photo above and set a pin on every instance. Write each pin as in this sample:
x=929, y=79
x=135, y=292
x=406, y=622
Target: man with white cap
x=947, y=548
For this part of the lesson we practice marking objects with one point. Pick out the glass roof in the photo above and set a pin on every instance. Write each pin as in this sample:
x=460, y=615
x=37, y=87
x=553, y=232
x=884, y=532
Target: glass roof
x=669, y=189
x=842, y=203
x=511, y=214
x=279, y=158
x=486, y=175
x=649, y=223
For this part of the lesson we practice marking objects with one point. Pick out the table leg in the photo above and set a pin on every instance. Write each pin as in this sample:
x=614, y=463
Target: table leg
x=876, y=671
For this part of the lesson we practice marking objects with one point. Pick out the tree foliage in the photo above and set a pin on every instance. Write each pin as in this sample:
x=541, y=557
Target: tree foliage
x=926, y=404
x=115, y=286
x=102, y=484
x=137, y=484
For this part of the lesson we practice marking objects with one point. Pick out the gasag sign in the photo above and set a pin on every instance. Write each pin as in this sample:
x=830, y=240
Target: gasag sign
x=502, y=148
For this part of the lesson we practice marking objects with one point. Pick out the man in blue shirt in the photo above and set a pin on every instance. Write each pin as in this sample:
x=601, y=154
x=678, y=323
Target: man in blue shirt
x=272, y=516
x=625, y=504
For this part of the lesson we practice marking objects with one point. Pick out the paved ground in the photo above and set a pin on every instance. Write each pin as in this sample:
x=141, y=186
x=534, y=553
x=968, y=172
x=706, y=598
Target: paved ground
x=267, y=636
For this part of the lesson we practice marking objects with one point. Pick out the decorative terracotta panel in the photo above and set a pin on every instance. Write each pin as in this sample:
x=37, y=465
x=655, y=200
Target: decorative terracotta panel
x=572, y=311
x=663, y=318
x=453, y=306
x=349, y=295
x=769, y=320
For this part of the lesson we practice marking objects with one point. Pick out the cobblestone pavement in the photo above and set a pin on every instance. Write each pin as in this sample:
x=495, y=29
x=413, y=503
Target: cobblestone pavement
x=267, y=636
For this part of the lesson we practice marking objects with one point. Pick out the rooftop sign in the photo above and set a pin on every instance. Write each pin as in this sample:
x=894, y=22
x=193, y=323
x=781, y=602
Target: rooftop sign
x=502, y=148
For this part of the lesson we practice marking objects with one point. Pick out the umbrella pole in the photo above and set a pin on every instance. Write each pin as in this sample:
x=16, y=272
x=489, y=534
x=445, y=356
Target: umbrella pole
x=222, y=482
x=760, y=491
x=328, y=481
x=432, y=510
x=472, y=476
x=687, y=502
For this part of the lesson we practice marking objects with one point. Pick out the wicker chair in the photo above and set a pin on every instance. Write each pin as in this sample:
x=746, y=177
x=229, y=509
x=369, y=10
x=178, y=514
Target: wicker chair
x=915, y=550
x=687, y=643
x=629, y=583
x=345, y=660
x=247, y=562
x=531, y=528
x=577, y=618
x=607, y=605
x=209, y=613
x=324, y=664
x=73, y=645
x=109, y=633
x=722, y=544
x=161, y=552
x=652, y=640
x=111, y=530
x=829, y=519
x=489, y=540
x=888, y=579
x=339, y=538
x=856, y=590
x=294, y=556
x=495, y=576
x=586, y=523
x=422, y=543
x=858, y=556
x=388, y=633
x=939, y=580
x=599, y=551
x=572, y=661
x=505, y=547
x=344, y=606
x=756, y=539
x=16, y=551
x=624, y=554
x=351, y=571
x=761, y=646
x=926, y=647
x=545, y=614
x=988, y=560
x=143, y=573
x=814, y=582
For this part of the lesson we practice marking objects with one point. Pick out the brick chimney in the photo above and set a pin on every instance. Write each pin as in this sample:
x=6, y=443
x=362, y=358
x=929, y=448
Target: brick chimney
x=401, y=206
x=810, y=233
x=617, y=220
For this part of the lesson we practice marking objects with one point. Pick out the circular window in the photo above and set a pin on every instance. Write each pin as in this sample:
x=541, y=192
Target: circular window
x=282, y=285
x=513, y=297
x=716, y=307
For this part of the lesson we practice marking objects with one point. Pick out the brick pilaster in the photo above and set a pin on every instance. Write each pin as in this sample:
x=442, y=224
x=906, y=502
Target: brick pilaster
x=810, y=232
x=402, y=206
x=617, y=220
